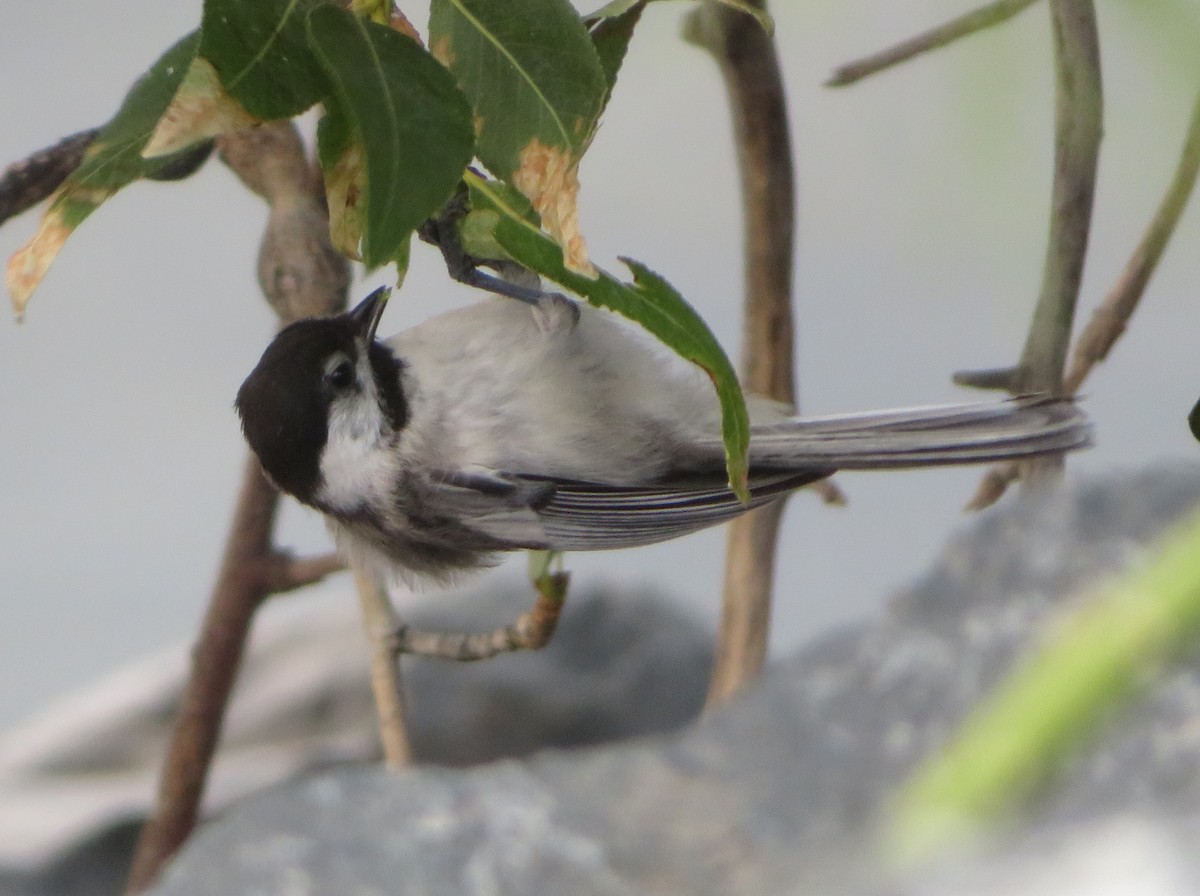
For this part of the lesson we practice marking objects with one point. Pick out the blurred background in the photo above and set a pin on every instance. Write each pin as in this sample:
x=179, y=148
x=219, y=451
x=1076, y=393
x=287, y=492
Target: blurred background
x=922, y=217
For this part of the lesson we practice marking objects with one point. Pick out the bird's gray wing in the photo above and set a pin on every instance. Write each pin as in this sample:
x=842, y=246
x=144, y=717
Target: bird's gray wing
x=525, y=511
x=566, y=515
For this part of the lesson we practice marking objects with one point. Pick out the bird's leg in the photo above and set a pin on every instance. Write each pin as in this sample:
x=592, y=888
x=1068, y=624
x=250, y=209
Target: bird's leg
x=530, y=631
x=511, y=279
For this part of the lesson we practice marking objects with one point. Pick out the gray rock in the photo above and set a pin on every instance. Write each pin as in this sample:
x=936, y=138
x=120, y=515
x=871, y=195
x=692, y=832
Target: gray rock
x=779, y=792
x=622, y=664
x=75, y=786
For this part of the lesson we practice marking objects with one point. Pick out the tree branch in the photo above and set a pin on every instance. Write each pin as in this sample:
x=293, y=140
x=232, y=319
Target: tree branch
x=26, y=183
x=215, y=660
x=966, y=24
x=300, y=274
x=1078, y=126
x=1078, y=104
x=1108, y=321
x=379, y=622
x=281, y=572
x=746, y=56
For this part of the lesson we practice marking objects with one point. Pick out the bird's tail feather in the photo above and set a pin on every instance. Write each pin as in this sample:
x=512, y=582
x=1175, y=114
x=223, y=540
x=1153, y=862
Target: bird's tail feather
x=912, y=437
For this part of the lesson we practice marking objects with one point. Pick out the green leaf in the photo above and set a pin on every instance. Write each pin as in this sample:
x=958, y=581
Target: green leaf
x=611, y=29
x=112, y=161
x=477, y=231
x=537, y=88
x=612, y=10
x=649, y=301
x=413, y=124
x=260, y=50
x=115, y=158
x=201, y=109
x=529, y=71
x=340, y=155
x=335, y=134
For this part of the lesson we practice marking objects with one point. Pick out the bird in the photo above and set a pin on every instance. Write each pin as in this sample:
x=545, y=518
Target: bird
x=499, y=427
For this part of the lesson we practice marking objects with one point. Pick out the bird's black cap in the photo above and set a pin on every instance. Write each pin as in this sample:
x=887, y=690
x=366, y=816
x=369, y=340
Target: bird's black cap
x=284, y=402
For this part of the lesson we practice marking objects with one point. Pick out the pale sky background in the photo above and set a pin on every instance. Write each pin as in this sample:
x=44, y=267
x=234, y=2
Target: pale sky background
x=922, y=216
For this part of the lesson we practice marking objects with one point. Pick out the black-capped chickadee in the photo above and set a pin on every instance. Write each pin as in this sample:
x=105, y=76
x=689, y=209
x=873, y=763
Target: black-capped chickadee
x=496, y=428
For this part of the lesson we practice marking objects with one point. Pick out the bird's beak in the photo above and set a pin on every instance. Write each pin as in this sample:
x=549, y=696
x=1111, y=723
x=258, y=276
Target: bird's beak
x=367, y=313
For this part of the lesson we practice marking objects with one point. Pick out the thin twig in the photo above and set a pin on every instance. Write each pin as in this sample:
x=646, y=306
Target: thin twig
x=1004, y=378
x=964, y=25
x=748, y=62
x=1078, y=126
x=283, y=572
x=301, y=275
x=829, y=492
x=995, y=481
x=379, y=622
x=25, y=183
x=745, y=627
x=1078, y=104
x=215, y=660
x=1108, y=321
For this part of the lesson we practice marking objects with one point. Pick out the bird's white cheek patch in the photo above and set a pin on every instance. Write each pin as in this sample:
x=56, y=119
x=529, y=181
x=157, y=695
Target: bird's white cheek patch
x=355, y=464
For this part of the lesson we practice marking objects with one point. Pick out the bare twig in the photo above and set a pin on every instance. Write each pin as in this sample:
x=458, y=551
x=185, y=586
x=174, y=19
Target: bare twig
x=301, y=275
x=745, y=627
x=215, y=659
x=282, y=572
x=1078, y=125
x=26, y=183
x=531, y=631
x=379, y=621
x=829, y=492
x=1108, y=321
x=1005, y=378
x=748, y=62
x=996, y=480
x=964, y=25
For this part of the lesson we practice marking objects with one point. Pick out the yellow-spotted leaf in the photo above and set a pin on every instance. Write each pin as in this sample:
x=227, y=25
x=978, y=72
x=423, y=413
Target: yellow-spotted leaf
x=404, y=112
x=340, y=153
x=201, y=109
x=112, y=161
x=537, y=88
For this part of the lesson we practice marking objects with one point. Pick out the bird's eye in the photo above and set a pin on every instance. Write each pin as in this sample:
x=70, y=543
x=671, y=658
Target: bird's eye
x=339, y=372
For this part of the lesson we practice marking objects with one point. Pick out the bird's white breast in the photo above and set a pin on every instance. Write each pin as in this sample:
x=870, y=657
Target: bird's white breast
x=358, y=461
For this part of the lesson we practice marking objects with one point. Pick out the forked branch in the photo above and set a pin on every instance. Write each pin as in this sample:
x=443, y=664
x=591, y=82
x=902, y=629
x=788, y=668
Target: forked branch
x=299, y=279
x=1078, y=125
